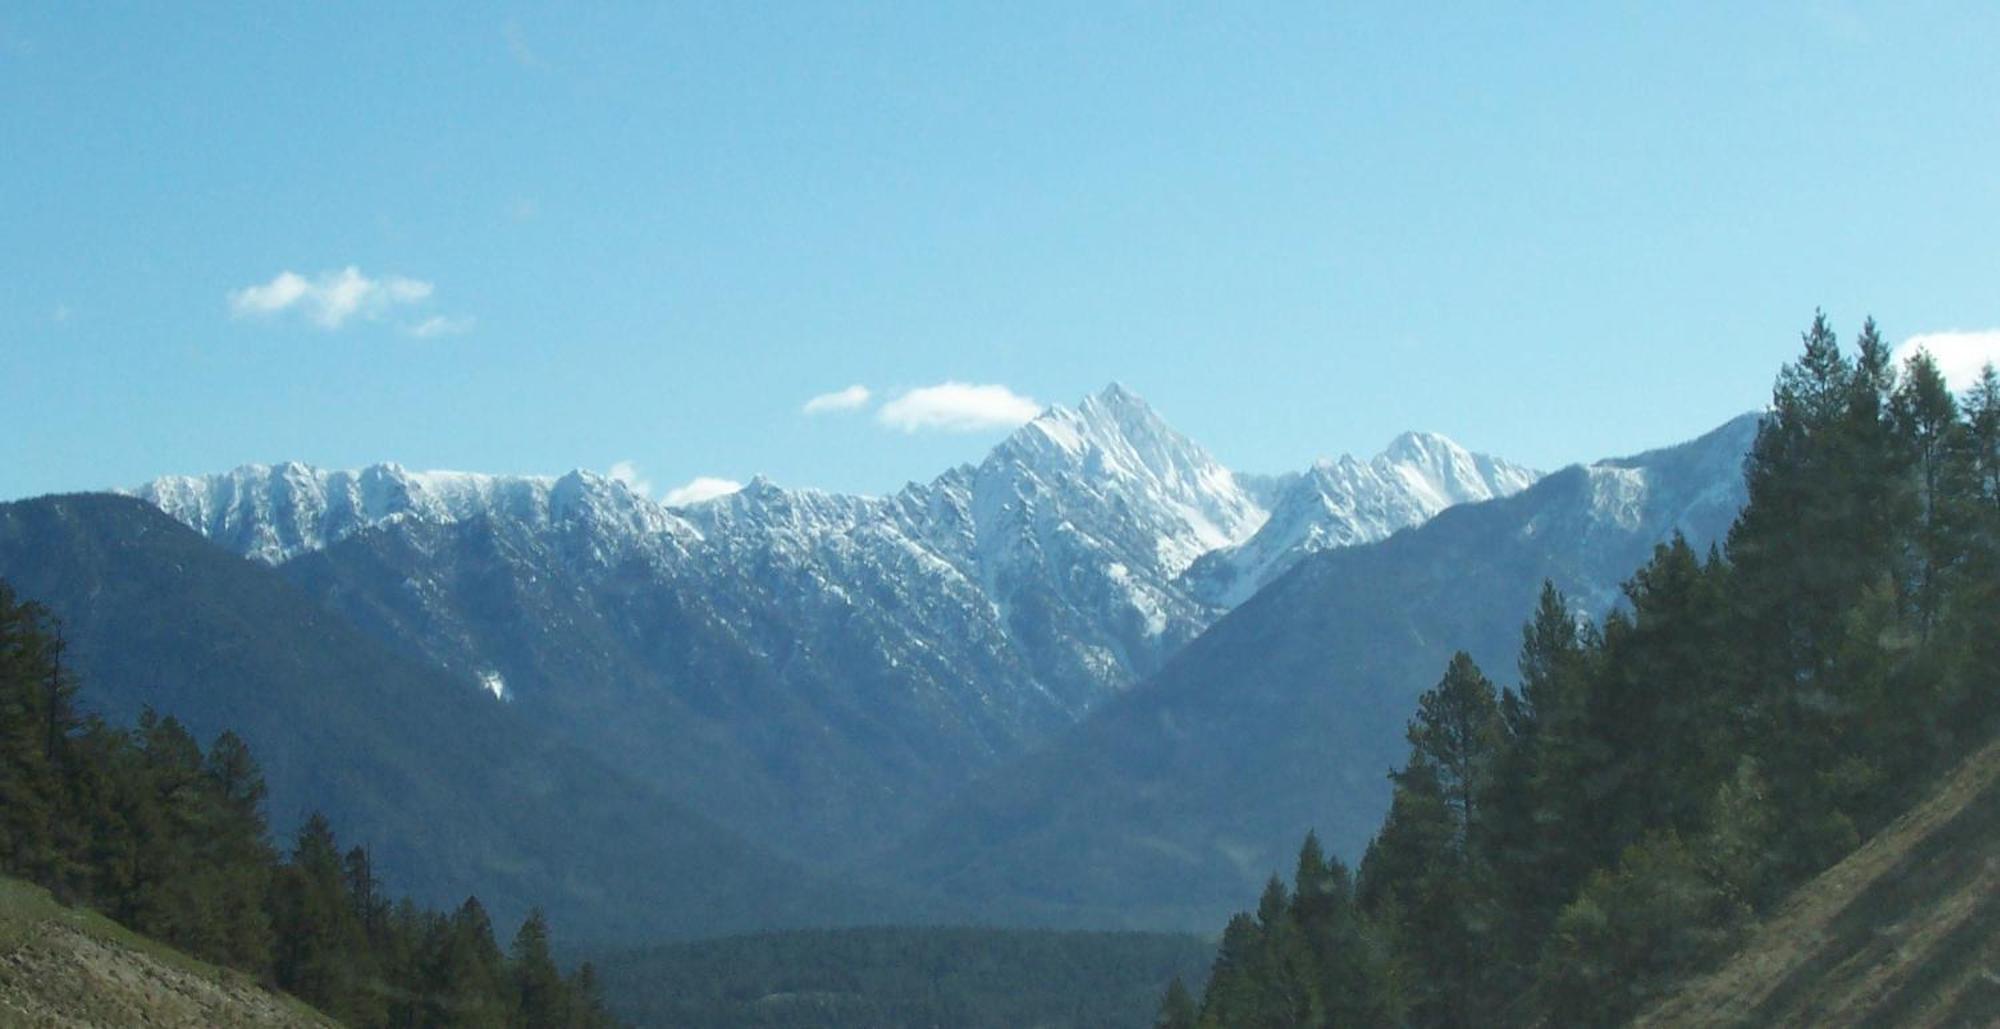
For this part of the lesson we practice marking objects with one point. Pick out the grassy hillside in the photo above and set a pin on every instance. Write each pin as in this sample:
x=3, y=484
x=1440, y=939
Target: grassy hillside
x=71, y=967
x=888, y=977
x=1905, y=931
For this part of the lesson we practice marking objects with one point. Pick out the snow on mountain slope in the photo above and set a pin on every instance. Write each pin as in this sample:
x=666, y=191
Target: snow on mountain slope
x=1172, y=802
x=1090, y=544
x=1347, y=501
x=273, y=513
x=1076, y=527
x=814, y=668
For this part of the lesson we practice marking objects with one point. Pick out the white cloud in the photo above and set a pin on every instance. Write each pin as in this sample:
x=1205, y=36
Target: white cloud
x=1959, y=355
x=628, y=473
x=852, y=398
x=958, y=407
x=698, y=489
x=439, y=325
x=331, y=299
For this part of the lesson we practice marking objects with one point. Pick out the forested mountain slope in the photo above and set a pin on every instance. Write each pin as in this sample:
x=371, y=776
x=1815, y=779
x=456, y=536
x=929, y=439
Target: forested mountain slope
x=452, y=790
x=1905, y=931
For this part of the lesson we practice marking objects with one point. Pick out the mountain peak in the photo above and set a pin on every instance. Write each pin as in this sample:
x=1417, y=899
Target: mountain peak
x=1346, y=501
x=1420, y=446
x=1115, y=394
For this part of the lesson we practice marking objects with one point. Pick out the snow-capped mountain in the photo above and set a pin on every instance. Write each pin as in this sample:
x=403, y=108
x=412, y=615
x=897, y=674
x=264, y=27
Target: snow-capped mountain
x=816, y=668
x=1346, y=501
x=1076, y=528
x=1173, y=804
x=273, y=513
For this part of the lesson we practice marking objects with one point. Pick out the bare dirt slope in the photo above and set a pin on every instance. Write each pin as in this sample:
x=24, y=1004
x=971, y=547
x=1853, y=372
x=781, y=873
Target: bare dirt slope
x=1904, y=932
x=67, y=967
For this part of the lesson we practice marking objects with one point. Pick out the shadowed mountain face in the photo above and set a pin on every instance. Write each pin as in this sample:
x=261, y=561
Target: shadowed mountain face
x=453, y=791
x=814, y=670
x=1172, y=804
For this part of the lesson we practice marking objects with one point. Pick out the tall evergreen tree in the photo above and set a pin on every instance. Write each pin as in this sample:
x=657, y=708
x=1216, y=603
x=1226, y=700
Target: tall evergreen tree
x=322, y=953
x=36, y=718
x=543, y=996
x=1177, y=1010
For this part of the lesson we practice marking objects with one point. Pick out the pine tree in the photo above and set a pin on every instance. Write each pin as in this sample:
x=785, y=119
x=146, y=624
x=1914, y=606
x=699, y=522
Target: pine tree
x=1538, y=794
x=543, y=997
x=322, y=954
x=1661, y=701
x=235, y=855
x=1456, y=736
x=1822, y=534
x=37, y=717
x=1234, y=996
x=1926, y=418
x=1429, y=864
x=1177, y=1010
x=466, y=982
x=1347, y=976
x=1634, y=931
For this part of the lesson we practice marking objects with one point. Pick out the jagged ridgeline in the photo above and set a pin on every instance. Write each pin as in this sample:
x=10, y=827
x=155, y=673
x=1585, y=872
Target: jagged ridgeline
x=144, y=826
x=1568, y=850
x=814, y=671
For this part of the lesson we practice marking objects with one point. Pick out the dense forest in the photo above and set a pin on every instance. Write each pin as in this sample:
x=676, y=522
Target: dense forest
x=966, y=978
x=1566, y=851
x=144, y=826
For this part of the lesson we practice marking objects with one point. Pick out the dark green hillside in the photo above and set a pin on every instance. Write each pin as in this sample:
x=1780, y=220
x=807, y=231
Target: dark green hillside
x=892, y=977
x=145, y=827
x=451, y=790
x=1573, y=852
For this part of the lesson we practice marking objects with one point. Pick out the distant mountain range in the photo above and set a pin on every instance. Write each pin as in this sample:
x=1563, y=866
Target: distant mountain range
x=1096, y=678
x=1174, y=802
x=811, y=668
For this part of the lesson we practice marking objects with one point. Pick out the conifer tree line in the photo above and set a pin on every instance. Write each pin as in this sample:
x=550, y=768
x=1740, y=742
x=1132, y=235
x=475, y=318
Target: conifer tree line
x=1564, y=852
x=145, y=827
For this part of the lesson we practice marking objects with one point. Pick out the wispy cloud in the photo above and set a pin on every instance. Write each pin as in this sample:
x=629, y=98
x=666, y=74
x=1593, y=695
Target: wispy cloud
x=628, y=473
x=439, y=325
x=852, y=398
x=958, y=407
x=698, y=489
x=331, y=299
x=1959, y=355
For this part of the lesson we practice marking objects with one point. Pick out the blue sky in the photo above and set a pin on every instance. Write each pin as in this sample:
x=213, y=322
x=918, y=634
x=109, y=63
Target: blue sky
x=580, y=237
